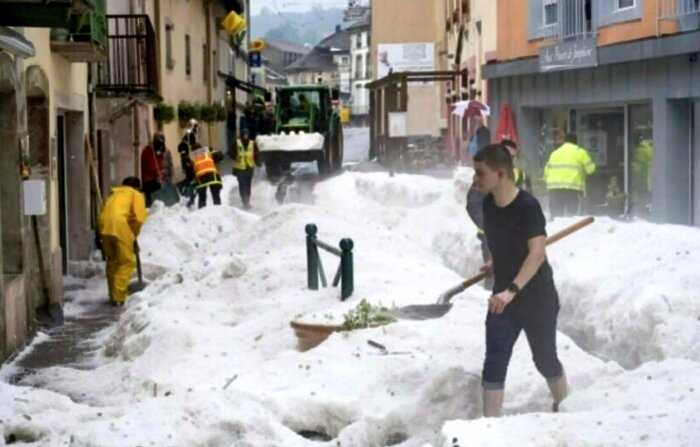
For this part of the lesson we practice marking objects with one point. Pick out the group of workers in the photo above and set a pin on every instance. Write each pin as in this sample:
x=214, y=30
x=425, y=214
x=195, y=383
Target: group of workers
x=124, y=212
x=511, y=227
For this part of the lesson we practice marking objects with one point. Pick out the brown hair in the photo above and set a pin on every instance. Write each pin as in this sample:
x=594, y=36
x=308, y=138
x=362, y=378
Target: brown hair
x=196, y=146
x=496, y=156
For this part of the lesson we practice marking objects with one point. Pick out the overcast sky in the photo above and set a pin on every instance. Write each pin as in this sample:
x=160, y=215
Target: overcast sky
x=296, y=5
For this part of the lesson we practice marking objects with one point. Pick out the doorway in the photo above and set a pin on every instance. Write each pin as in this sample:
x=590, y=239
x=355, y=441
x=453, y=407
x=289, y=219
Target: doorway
x=602, y=133
x=62, y=188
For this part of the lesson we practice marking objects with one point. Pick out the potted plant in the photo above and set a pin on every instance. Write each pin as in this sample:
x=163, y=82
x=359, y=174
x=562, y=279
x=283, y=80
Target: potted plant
x=221, y=114
x=210, y=114
x=187, y=111
x=163, y=113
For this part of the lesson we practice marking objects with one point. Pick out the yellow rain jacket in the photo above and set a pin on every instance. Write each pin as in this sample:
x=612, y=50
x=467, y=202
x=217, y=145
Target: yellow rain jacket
x=123, y=214
x=121, y=220
x=568, y=167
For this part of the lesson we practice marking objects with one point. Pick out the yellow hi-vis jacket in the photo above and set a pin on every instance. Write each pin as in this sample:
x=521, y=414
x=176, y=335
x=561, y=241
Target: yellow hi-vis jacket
x=568, y=167
x=246, y=156
x=123, y=214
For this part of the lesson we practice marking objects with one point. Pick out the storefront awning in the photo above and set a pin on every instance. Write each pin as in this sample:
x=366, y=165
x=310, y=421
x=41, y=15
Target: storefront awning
x=15, y=43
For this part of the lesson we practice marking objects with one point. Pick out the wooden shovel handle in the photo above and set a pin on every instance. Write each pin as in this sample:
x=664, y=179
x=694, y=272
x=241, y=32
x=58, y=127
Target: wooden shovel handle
x=550, y=240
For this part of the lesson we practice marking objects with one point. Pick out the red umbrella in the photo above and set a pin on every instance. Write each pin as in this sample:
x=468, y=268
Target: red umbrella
x=506, y=128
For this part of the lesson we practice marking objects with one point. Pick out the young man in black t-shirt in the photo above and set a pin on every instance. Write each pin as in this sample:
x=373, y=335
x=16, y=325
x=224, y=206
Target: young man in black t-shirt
x=524, y=296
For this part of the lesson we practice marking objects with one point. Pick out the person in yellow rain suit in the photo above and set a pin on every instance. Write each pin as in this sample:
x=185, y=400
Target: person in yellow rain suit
x=121, y=220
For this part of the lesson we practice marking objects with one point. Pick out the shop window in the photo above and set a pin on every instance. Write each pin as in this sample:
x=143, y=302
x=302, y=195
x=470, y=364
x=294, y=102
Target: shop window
x=641, y=159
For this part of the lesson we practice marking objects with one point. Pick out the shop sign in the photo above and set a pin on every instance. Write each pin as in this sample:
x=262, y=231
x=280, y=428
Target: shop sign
x=567, y=55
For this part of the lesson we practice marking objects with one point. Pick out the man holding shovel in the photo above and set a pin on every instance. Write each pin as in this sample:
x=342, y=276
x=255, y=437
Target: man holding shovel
x=524, y=296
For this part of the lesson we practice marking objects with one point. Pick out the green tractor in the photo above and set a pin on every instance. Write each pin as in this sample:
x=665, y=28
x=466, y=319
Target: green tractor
x=307, y=128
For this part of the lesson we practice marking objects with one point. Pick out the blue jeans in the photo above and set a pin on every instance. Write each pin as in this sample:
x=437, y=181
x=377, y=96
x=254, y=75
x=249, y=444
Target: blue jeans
x=538, y=318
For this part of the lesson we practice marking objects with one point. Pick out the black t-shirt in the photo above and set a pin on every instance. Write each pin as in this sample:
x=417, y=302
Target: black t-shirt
x=508, y=229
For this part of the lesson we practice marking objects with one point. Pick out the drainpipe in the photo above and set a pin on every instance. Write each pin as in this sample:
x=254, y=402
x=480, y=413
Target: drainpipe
x=207, y=60
x=135, y=138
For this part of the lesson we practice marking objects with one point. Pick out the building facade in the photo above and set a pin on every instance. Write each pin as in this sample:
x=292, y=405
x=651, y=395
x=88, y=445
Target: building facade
x=327, y=63
x=44, y=120
x=361, y=68
x=408, y=35
x=623, y=75
x=276, y=57
x=471, y=37
x=173, y=52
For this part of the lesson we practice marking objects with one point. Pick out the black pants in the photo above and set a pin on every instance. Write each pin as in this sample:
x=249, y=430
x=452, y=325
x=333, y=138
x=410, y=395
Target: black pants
x=215, y=194
x=564, y=202
x=148, y=189
x=245, y=182
x=538, y=318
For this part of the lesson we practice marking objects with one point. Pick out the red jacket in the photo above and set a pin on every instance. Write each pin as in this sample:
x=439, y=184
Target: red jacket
x=155, y=168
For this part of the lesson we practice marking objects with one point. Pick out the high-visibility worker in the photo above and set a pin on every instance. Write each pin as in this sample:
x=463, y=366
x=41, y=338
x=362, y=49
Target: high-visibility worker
x=121, y=220
x=245, y=160
x=206, y=175
x=565, y=176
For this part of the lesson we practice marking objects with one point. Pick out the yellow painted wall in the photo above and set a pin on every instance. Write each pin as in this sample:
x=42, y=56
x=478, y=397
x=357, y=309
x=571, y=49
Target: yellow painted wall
x=66, y=80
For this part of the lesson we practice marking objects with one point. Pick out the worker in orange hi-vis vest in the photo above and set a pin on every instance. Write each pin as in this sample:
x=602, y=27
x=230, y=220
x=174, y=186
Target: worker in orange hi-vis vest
x=206, y=175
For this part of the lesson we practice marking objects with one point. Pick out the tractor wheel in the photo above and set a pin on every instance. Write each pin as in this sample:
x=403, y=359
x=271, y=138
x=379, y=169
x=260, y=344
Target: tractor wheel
x=273, y=170
x=323, y=163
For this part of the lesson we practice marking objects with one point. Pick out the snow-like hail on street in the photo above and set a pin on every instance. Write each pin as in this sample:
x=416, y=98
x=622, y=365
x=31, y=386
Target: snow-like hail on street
x=205, y=355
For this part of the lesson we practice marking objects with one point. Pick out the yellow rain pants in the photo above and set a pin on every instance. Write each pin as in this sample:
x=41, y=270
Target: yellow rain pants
x=121, y=263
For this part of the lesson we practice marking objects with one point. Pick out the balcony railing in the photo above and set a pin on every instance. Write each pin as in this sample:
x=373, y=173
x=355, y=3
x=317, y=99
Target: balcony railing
x=131, y=68
x=686, y=12
x=574, y=20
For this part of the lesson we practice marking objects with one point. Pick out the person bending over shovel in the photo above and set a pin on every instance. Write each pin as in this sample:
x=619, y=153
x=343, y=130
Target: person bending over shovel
x=524, y=296
x=120, y=222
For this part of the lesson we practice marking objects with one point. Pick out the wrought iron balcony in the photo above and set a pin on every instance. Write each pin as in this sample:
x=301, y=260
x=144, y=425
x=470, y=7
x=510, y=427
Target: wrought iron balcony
x=131, y=68
x=685, y=12
x=85, y=39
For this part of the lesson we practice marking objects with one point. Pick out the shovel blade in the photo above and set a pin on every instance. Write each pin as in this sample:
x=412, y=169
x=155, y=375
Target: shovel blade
x=421, y=311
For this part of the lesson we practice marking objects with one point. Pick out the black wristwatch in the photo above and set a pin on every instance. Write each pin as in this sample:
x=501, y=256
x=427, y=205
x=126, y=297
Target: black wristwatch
x=513, y=287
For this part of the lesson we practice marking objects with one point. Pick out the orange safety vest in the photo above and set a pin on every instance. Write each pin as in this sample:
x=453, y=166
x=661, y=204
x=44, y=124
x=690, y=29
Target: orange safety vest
x=203, y=164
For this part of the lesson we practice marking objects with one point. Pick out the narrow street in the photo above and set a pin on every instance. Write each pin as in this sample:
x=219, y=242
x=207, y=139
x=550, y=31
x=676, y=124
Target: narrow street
x=205, y=355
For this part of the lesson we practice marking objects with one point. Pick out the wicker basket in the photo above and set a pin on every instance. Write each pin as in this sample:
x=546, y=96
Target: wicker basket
x=311, y=335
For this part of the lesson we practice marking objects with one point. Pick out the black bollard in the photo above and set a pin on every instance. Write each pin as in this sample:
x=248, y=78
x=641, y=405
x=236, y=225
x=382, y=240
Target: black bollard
x=311, y=257
x=347, y=275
